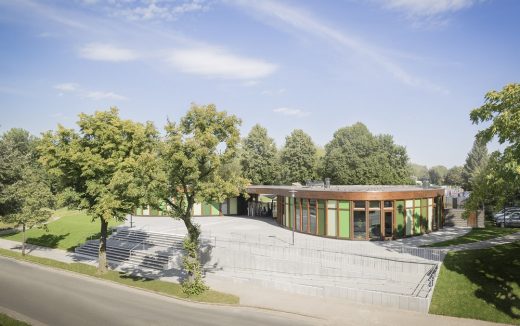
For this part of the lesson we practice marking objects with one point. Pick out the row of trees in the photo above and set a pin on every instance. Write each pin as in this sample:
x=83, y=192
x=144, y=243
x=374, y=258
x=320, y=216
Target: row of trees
x=463, y=176
x=353, y=156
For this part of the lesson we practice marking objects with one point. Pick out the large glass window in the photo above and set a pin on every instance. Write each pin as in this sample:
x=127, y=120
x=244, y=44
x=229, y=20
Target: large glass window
x=374, y=204
x=305, y=216
x=312, y=213
x=359, y=204
x=331, y=218
x=388, y=223
x=375, y=224
x=360, y=231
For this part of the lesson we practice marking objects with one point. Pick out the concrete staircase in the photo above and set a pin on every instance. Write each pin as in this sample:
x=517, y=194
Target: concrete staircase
x=137, y=248
x=454, y=218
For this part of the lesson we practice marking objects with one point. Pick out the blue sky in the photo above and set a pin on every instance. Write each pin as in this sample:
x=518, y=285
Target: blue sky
x=410, y=68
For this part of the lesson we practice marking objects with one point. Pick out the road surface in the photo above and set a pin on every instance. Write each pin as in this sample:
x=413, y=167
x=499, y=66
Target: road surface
x=52, y=297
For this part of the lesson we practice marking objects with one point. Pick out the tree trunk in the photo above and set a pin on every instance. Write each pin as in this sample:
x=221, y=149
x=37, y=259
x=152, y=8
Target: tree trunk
x=193, y=234
x=23, y=239
x=103, y=266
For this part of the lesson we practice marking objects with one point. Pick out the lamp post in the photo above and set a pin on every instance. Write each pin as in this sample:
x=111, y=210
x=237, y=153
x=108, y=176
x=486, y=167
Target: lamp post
x=293, y=192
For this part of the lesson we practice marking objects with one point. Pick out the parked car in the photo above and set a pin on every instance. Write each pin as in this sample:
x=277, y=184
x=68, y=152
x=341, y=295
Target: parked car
x=506, y=211
x=509, y=219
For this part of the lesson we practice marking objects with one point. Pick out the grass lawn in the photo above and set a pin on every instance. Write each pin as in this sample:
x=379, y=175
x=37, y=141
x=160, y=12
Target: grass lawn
x=8, y=321
x=475, y=235
x=480, y=284
x=158, y=286
x=72, y=229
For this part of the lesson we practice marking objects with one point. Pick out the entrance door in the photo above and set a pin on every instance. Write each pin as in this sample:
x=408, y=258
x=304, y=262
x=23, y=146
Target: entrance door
x=360, y=223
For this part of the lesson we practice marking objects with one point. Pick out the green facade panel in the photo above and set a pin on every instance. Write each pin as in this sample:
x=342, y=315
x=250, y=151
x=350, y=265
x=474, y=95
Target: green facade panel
x=233, y=206
x=399, y=218
x=321, y=217
x=417, y=220
x=214, y=208
x=206, y=209
x=344, y=223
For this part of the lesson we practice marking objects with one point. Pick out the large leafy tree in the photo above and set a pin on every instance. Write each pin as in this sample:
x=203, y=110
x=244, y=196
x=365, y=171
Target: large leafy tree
x=437, y=174
x=298, y=158
x=26, y=199
x=355, y=156
x=454, y=176
x=475, y=163
x=105, y=167
x=197, y=156
x=419, y=171
x=258, y=157
x=501, y=111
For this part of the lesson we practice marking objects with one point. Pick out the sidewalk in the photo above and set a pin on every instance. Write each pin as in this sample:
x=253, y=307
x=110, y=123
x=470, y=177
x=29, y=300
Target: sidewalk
x=332, y=311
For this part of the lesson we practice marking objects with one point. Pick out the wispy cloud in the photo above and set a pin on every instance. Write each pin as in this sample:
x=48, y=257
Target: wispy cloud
x=213, y=62
x=427, y=7
x=75, y=88
x=155, y=10
x=292, y=112
x=306, y=22
x=107, y=52
x=66, y=87
x=97, y=95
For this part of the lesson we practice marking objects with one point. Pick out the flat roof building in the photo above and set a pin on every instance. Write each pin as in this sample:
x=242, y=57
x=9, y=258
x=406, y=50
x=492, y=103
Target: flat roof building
x=356, y=212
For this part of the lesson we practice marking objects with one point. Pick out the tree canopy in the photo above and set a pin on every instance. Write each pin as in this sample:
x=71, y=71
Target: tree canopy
x=476, y=162
x=105, y=167
x=26, y=199
x=259, y=157
x=501, y=109
x=298, y=158
x=195, y=154
x=437, y=173
x=355, y=156
x=454, y=176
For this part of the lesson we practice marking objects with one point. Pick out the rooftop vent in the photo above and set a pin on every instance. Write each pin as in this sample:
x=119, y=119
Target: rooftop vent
x=327, y=183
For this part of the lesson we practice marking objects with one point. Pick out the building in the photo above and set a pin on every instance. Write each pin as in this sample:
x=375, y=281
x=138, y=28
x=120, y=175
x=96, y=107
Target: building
x=356, y=212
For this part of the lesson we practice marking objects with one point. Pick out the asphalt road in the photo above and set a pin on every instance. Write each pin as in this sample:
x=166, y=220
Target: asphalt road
x=53, y=297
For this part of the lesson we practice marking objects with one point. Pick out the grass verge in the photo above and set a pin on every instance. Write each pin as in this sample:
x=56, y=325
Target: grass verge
x=475, y=235
x=480, y=284
x=162, y=287
x=69, y=231
x=8, y=321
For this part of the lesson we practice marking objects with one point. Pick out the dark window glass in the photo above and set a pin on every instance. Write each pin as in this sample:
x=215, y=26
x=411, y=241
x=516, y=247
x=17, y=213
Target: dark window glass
x=375, y=224
x=360, y=231
x=359, y=204
x=298, y=214
x=388, y=224
x=305, y=216
x=374, y=204
x=389, y=204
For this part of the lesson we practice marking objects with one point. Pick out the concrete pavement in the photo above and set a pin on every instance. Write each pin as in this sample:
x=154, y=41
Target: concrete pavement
x=53, y=297
x=329, y=311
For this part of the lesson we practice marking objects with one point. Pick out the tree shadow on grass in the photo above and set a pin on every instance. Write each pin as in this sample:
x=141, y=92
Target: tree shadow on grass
x=47, y=240
x=493, y=270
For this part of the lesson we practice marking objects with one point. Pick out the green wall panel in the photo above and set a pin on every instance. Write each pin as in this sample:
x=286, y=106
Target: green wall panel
x=214, y=208
x=206, y=209
x=321, y=217
x=233, y=203
x=424, y=218
x=344, y=224
x=417, y=220
x=409, y=221
x=399, y=218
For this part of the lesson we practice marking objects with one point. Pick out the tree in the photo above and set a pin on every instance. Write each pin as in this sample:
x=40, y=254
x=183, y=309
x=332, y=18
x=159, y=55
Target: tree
x=298, y=158
x=437, y=173
x=355, y=156
x=475, y=163
x=25, y=193
x=105, y=168
x=259, y=157
x=501, y=109
x=454, y=176
x=193, y=155
x=419, y=171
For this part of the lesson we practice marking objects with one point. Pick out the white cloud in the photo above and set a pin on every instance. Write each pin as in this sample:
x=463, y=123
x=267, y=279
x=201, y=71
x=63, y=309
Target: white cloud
x=292, y=112
x=76, y=89
x=159, y=10
x=97, y=95
x=66, y=87
x=107, y=52
x=307, y=23
x=212, y=62
x=427, y=7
